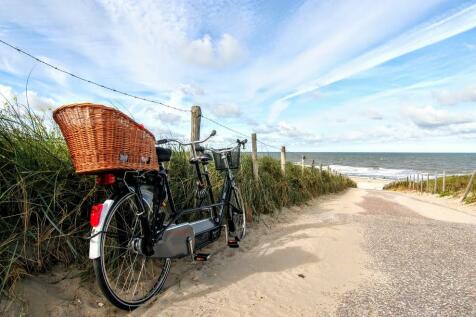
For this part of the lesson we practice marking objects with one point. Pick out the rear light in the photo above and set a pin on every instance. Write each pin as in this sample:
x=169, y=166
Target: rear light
x=106, y=179
x=95, y=215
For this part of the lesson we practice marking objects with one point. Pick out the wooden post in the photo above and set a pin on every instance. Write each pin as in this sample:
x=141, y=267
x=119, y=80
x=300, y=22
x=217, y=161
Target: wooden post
x=435, y=188
x=408, y=182
x=254, y=155
x=302, y=163
x=469, y=187
x=421, y=183
x=196, y=117
x=427, y=182
x=283, y=160
x=444, y=182
x=312, y=164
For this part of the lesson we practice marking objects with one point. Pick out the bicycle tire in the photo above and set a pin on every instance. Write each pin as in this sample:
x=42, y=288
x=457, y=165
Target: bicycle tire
x=102, y=273
x=237, y=214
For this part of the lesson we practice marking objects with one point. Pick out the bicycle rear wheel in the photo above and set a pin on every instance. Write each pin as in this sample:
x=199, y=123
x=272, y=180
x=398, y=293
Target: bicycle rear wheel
x=237, y=214
x=126, y=277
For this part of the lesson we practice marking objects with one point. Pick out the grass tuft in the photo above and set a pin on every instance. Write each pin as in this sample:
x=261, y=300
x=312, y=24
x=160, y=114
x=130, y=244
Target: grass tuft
x=455, y=187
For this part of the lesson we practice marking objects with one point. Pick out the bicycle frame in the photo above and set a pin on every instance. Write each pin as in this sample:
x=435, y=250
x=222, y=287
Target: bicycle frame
x=217, y=208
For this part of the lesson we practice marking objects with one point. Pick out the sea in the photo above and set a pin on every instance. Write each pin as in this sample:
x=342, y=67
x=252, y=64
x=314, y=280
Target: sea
x=387, y=165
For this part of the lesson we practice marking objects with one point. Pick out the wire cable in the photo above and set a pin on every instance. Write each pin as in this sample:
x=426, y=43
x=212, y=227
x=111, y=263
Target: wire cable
x=236, y=131
x=90, y=81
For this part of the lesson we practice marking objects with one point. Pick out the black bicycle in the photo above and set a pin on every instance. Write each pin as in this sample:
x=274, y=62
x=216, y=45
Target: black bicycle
x=138, y=230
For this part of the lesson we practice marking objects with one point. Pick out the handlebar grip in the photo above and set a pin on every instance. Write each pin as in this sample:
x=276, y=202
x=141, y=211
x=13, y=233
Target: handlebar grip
x=199, y=148
x=162, y=141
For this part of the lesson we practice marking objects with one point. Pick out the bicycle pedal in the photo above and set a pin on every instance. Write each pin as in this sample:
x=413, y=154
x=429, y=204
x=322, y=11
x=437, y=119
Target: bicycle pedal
x=202, y=257
x=233, y=244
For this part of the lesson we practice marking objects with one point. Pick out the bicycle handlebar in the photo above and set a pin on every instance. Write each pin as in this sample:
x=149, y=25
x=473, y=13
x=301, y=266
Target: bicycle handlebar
x=164, y=141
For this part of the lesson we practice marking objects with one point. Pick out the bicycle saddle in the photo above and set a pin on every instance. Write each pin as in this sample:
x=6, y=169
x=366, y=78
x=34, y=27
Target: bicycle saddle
x=163, y=154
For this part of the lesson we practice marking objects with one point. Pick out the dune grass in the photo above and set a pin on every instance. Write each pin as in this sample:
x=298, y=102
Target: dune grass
x=455, y=187
x=45, y=206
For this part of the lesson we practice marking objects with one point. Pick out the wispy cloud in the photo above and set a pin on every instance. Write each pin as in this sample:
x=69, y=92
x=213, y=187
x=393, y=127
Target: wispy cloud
x=430, y=118
x=453, y=97
x=421, y=36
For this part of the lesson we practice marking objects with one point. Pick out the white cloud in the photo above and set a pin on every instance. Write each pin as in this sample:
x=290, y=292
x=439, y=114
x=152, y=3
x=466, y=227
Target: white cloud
x=228, y=110
x=276, y=108
x=229, y=49
x=191, y=90
x=430, y=118
x=37, y=102
x=450, y=98
x=374, y=114
x=204, y=52
x=6, y=92
x=169, y=117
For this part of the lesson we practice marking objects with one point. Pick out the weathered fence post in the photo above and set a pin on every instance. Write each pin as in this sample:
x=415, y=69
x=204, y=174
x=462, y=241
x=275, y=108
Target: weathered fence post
x=435, y=188
x=254, y=156
x=421, y=183
x=427, y=182
x=443, y=189
x=469, y=187
x=312, y=164
x=302, y=163
x=408, y=182
x=196, y=117
x=283, y=160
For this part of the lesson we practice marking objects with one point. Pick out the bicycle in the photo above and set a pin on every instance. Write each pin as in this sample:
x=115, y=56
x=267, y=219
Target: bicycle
x=133, y=238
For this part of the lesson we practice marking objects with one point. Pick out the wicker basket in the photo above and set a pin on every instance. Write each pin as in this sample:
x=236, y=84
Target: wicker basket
x=101, y=138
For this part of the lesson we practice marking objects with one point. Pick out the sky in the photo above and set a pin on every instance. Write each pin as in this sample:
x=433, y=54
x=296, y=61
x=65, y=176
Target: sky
x=348, y=75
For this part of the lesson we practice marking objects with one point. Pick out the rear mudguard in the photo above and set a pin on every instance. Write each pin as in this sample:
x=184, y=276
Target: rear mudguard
x=94, y=242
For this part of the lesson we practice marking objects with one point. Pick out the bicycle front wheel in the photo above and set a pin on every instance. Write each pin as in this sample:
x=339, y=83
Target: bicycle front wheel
x=126, y=277
x=237, y=214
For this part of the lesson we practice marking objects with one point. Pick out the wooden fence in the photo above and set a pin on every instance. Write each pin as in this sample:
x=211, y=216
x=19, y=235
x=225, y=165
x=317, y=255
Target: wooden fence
x=421, y=183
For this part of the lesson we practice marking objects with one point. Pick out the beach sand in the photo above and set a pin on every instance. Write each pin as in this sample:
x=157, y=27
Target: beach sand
x=365, y=250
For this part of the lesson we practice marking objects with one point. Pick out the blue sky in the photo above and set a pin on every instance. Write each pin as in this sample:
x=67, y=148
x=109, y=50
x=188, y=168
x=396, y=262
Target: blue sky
x=311, y=75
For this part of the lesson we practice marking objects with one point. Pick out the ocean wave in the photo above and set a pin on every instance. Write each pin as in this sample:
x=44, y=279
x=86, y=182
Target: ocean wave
x=373, y=172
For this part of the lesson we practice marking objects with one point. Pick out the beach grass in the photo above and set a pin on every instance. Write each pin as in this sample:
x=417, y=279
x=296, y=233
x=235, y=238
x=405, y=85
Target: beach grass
x=45, y=206
x=455, y=186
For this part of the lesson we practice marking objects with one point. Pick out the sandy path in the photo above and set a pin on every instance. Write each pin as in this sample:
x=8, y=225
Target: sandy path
x=301, y=266
x=364, y=252
x=344, y=259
